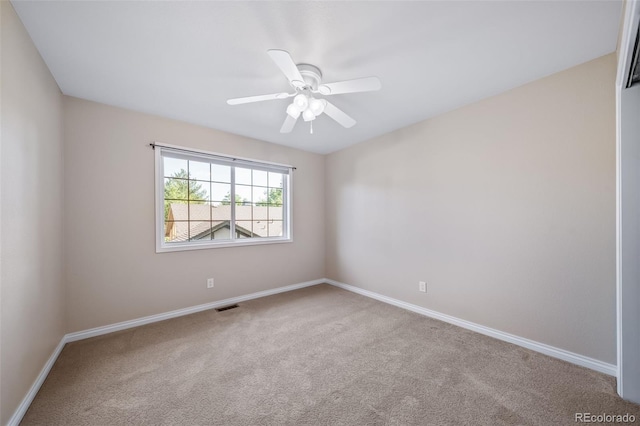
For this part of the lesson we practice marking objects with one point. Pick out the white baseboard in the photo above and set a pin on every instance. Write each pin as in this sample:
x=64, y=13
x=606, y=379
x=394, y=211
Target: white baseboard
x=26, y=402
x=85, y=334
x=554, y=352
x=98, y=331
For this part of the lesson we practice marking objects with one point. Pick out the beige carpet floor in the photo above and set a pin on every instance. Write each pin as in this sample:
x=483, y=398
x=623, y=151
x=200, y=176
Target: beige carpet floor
x=315, y=356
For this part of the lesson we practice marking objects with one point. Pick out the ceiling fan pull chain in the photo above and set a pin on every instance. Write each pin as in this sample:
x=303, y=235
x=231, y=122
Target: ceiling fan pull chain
x=311, y=131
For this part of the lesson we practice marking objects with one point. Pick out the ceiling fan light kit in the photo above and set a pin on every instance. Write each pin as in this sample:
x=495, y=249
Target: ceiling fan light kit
x=306, y=80
x=309, y=106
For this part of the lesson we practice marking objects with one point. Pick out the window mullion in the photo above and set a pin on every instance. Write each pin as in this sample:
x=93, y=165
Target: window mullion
x=232, y=225
x=285, y=206
x=210, y=204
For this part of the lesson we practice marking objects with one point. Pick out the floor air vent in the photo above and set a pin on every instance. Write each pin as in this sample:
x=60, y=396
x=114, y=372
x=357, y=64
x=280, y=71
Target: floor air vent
x=226, y=308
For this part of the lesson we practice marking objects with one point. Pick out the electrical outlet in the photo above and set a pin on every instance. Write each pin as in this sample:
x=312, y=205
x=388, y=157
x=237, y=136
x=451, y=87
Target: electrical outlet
x=209, y=282
x=422, y=286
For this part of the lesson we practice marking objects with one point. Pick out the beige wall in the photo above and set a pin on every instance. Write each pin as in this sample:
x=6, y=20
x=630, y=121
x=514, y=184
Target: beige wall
x=506, y=208
x=113, y=273
x=31, y=214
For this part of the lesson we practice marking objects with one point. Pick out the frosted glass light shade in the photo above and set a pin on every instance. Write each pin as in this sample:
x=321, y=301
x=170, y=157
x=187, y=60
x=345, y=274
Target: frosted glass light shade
x=316, y=106
x=293, y=110
x=301, y=101
x=308, y=115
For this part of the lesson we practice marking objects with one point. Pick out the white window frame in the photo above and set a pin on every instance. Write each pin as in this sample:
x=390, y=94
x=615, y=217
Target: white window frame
x=217, y=158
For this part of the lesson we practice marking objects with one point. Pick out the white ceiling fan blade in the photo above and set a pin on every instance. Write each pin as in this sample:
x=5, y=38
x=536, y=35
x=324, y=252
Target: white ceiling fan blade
x=367, y=84
x=287, y=66
x=259, y=98
x=288, y=124
x=337, y=114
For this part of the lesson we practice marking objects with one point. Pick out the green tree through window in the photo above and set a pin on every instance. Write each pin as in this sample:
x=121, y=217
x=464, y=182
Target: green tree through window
x=274, y=197
x=178, y=190
x=239, y=200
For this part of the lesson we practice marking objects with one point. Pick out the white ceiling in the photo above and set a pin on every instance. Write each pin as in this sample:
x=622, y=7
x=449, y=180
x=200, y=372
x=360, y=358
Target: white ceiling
x=184, y=59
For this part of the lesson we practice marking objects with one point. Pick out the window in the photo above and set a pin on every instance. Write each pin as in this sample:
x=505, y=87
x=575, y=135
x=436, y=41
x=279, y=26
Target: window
x=206, y=200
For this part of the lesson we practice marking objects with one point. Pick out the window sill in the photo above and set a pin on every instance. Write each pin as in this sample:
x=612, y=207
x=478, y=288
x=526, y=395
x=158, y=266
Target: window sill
x=202, y=246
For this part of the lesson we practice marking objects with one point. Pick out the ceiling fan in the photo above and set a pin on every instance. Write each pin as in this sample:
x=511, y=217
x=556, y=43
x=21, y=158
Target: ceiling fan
x=306, y=80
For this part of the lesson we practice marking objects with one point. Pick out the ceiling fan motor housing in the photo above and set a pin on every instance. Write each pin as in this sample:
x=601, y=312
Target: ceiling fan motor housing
x=311, y=75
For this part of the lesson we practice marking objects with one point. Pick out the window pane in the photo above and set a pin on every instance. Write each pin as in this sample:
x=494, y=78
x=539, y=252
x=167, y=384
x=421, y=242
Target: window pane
x=275, y=213
x=243, y=194
x=275, y=196
x=199, y=230
x=259, y=178
x=175, y=232
x=169, y=227
x=275, y=228
x=221, y=213
x=244, y=212
x=221, y=192
x=174, y=167
x=221, y=217
x=221, y=230
x=199, y=170
x=198, y=191
x=175, y=189
x=220, y=173
x=176, y=210
x=243, y=228
x=275, y=180
x=260, y=228
x=259, y=195
x=199, y=211
x=260, y=212
x=243, y=176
